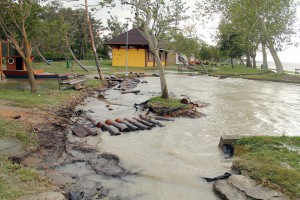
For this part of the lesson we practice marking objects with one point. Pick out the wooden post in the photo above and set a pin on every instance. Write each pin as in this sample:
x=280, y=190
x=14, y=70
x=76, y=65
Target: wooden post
x=1, y=70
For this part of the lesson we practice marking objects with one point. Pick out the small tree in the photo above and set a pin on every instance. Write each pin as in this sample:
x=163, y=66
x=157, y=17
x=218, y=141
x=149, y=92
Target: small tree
x=233, y=45
x=19, y=23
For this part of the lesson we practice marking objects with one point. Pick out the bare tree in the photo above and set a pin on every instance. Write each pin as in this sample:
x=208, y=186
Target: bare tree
x=88, y=18
x=14, y=25
x=153, y=18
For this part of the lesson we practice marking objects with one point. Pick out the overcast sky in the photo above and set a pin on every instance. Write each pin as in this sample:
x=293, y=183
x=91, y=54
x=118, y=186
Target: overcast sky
x=292, y=54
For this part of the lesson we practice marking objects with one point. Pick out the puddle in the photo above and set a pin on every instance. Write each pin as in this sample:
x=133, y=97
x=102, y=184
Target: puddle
x=9, y=147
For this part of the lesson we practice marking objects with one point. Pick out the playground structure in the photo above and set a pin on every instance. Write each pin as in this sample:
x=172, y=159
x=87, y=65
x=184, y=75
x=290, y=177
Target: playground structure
x=15, y=64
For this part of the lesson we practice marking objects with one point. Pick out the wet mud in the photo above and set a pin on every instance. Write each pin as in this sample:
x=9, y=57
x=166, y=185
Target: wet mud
x=73, y=164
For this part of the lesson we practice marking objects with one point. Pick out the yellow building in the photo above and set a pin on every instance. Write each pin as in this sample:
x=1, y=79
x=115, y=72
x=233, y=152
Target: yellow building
x=138, y=52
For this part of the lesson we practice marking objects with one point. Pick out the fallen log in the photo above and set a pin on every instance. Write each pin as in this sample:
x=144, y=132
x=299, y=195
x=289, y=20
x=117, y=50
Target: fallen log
x=137, y=124
x=121, y=127
x=131, y=91
x=131, y=126
x=144, y=122
x=151, y=121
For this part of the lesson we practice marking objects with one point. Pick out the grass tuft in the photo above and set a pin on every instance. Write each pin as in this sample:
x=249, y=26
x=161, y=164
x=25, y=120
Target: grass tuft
x=159, y=102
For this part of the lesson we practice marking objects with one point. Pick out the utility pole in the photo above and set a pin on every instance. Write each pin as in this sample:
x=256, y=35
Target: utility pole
x=126, y=73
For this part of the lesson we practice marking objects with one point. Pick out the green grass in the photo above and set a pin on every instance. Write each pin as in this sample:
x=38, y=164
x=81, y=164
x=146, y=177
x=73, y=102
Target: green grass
x=106, y=66
x=16, y=180
x=14, y=129
x=271, y=76
x=237, y=70
x=164, y=103
x=254, y=74
x=8, y=192
x=275, y=161
x=17, y=92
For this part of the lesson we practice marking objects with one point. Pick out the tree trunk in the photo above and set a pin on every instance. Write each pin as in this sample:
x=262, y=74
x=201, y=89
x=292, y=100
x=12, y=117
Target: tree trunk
x=43, y=58
x=231, y=61
x=74, y=57
x=88, y=18
x=153, y=47
x=254, y=61
x=265, y=57
x=248, y=63
x=181, y=59
x=271, y=47
x=27, y=59
x=163, y=83
x=30, y=74
x=242, y=61
x=253, y=57
x=77, y=61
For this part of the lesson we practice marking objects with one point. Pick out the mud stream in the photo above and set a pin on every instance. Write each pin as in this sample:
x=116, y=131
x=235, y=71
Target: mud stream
x=170, y=161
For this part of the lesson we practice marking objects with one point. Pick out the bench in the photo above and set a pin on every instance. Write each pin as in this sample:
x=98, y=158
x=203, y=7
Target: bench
x=65, y=81
x=297, y=71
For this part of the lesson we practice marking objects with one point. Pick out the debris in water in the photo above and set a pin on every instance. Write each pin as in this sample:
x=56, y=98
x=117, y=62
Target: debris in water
x=131, y=126
x=224, y=176
x=132, y=91
x=121, y=127
x=82, y=131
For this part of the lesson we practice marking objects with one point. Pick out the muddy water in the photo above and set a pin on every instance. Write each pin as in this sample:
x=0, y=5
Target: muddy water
x=171, y=160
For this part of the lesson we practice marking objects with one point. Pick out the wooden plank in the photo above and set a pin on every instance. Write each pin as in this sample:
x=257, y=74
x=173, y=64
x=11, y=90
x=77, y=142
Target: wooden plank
x=73, y=82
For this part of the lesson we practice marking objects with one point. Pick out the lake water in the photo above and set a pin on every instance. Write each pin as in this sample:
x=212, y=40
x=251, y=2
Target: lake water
x=171, y=160
x=286, y=65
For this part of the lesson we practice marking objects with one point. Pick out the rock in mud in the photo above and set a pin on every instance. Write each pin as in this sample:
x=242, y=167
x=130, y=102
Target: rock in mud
x=241, y=187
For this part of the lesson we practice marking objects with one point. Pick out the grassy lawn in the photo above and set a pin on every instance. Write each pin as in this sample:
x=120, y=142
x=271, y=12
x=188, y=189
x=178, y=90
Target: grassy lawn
x=17, y=92
x=275, y=77
x=106, y=66
x=254, y=74
x=237, y=70
x=272, y=160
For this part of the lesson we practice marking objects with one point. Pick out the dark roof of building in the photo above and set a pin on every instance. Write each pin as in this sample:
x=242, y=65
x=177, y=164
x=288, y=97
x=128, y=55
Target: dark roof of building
x=135, y=37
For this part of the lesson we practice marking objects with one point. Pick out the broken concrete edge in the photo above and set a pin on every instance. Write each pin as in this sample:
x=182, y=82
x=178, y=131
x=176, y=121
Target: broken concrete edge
x=226, y=189
x=243, y=187
x=230, y=139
